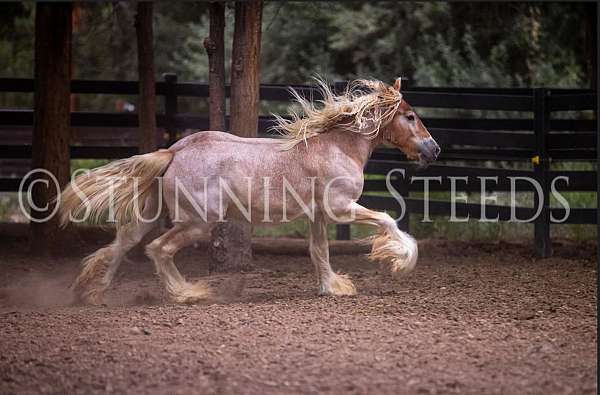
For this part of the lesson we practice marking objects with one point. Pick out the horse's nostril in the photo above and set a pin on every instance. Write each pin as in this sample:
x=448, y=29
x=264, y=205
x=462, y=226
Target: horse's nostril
x=431, y=147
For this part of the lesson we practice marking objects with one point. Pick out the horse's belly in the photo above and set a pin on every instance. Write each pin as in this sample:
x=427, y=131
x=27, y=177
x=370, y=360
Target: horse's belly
x=267, y=205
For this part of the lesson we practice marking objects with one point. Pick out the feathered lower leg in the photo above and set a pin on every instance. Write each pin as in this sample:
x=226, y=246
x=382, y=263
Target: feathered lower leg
x=162, y=251
x=329, y=282
x=391, y=246
x=99, y=268
x=396, y=249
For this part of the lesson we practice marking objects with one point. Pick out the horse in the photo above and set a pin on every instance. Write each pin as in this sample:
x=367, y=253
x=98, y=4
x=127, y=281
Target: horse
x=319, y=157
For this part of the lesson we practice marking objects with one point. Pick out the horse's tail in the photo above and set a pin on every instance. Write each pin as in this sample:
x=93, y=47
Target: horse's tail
x=396, y=248
x=122, y=186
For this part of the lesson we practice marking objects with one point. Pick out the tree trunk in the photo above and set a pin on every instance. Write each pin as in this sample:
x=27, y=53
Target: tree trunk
x=231, y=246
x=245, y=73
x=215, y=48
x=147, y=99
x=52, y=123
x=224, y=238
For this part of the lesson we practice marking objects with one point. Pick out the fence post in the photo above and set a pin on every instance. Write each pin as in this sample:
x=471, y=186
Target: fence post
x=171, y=106
x=342, y=231
x=541, y=166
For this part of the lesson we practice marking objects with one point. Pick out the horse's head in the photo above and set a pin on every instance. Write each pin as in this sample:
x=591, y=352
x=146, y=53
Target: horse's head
x=406, y=132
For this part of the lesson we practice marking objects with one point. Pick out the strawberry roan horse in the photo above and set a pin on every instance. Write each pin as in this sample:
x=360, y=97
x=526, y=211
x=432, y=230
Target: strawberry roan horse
x=212, y=176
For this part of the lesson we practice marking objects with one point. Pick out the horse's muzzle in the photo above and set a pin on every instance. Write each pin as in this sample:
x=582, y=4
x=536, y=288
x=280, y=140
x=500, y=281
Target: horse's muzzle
x=429, y=150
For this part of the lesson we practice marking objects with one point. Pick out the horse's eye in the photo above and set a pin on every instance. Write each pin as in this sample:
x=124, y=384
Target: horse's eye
x=410, y=117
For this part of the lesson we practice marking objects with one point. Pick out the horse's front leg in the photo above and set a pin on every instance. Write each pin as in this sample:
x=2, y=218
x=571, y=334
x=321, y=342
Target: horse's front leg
x=391, y=246
x=329, y=282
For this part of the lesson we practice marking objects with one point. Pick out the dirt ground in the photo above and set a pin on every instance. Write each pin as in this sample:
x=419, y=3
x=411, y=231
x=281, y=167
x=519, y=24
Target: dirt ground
x=472, y=318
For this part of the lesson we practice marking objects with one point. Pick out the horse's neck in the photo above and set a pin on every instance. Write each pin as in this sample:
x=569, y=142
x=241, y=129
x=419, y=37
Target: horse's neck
x=355, y=145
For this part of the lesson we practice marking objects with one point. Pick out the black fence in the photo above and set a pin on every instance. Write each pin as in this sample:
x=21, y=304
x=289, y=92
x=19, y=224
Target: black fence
x=536, y=134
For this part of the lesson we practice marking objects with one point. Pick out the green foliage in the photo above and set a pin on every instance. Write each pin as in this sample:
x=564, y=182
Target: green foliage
x=374, y=39
x=431, y=43
x=295, y=45
x=77, y=164
x=439, y=63
x=10, y=210
x=17, y=31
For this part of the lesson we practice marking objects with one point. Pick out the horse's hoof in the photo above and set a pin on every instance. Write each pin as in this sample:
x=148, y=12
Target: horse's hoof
x=339, y=285
x=89, y=297
x=191, y=293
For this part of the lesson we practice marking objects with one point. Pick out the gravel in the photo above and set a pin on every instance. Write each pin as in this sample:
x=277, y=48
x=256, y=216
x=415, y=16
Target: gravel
x=473, y=318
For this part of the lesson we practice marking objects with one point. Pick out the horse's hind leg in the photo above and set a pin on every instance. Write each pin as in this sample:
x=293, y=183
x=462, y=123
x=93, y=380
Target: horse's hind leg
x=99, y=268
x=162, y=251
x=330, y=283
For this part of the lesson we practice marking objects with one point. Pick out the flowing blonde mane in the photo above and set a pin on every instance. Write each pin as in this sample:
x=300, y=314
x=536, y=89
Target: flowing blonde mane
x=365, y=107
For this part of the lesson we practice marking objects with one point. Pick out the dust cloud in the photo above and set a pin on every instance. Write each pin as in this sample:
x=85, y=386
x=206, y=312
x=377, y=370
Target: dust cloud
x=38, y=290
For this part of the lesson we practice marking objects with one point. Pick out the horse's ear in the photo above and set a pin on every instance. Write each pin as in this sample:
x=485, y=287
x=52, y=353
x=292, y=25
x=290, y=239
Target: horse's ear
x=397, y=84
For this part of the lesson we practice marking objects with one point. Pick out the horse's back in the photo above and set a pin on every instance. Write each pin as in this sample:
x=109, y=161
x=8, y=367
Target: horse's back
x=201, y=139
x=212, y=153
x=218, y=154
